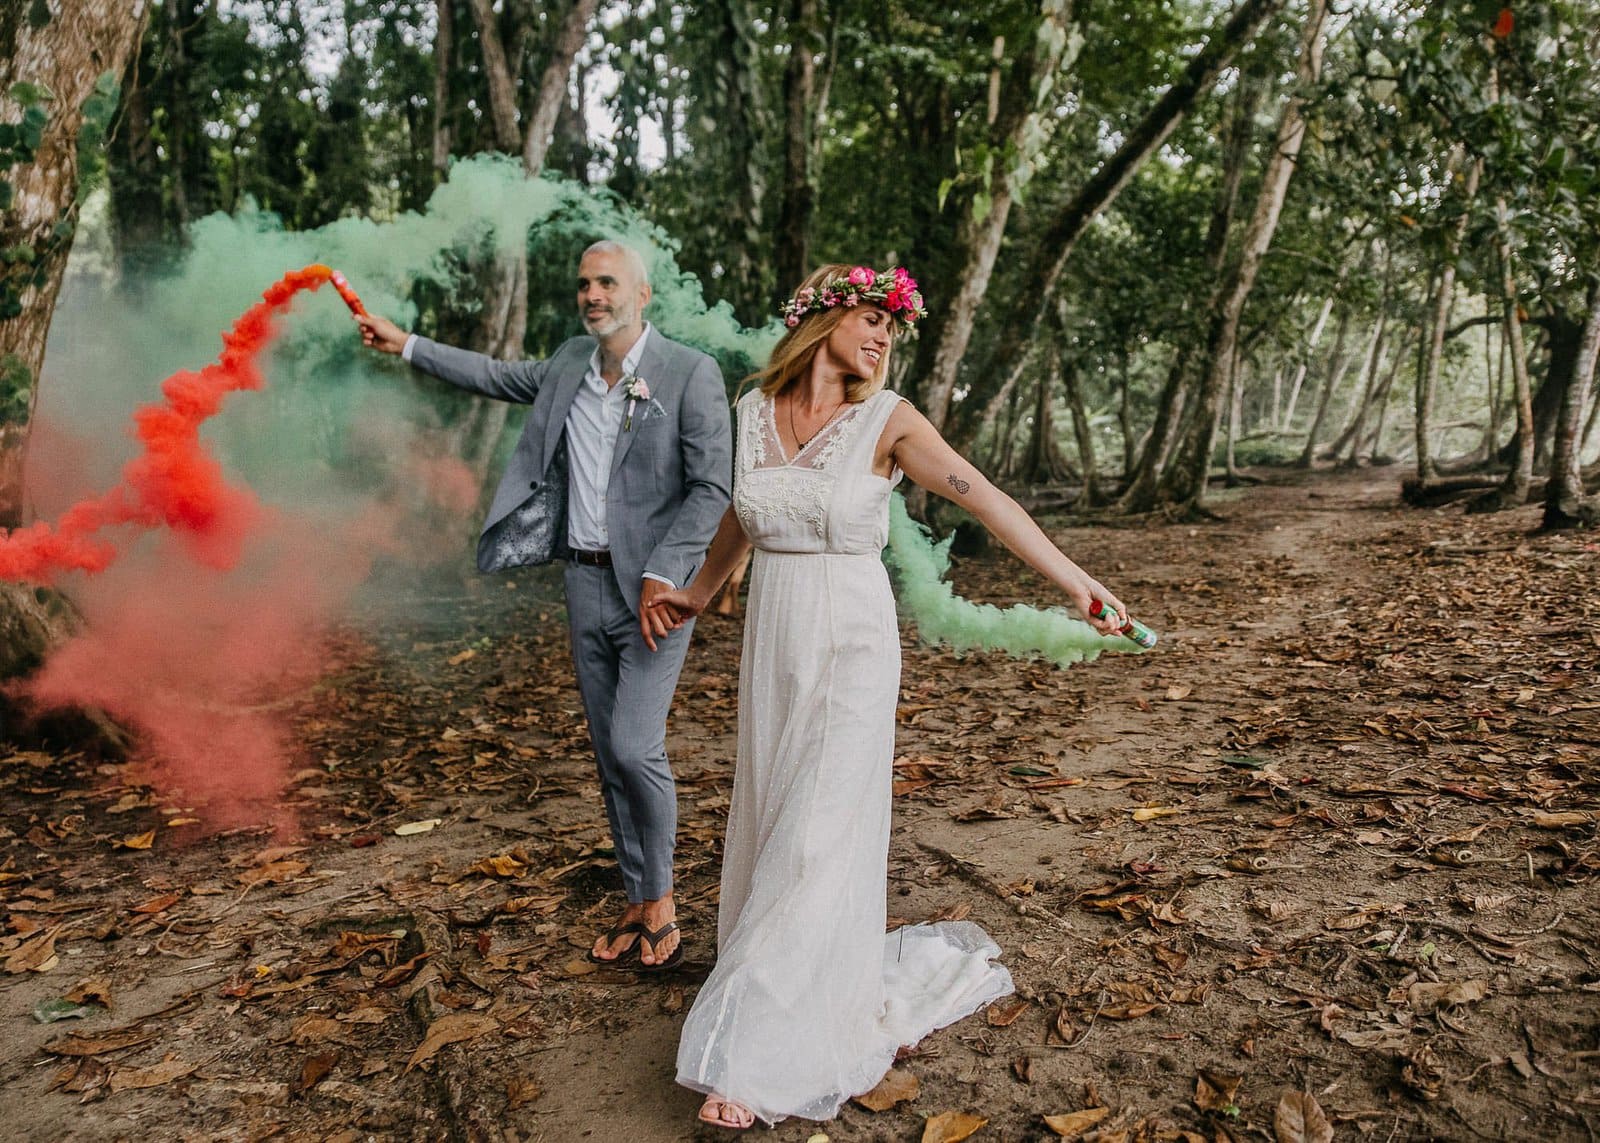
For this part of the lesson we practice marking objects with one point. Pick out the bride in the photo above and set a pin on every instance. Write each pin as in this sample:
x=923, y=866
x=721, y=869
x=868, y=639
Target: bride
x=809, y=999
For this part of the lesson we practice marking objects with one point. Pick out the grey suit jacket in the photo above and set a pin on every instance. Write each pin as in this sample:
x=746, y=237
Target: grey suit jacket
x=671, y=472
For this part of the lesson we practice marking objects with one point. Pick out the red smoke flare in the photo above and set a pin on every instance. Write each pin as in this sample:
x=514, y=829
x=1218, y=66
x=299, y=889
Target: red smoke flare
x=176, y=482
x=206, y=647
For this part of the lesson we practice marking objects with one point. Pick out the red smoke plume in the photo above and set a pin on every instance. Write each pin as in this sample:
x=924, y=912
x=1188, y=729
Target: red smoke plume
x=176, y=482
x=203, y=646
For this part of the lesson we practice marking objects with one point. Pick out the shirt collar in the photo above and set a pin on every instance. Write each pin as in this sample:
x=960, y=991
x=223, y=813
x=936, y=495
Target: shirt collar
x=630, y=360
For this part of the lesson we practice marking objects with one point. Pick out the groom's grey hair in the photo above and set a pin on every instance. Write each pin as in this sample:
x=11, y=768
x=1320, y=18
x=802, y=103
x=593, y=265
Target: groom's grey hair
x=634, y=259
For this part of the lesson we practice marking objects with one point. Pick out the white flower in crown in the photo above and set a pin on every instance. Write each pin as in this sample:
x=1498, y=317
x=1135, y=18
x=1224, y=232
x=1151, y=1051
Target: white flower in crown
x=635, y=389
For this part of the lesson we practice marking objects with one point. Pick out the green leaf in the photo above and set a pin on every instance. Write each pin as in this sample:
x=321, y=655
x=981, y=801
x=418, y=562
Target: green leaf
x=944, y=190
x=28, y=94
x=982, y=202
x=49, y=1011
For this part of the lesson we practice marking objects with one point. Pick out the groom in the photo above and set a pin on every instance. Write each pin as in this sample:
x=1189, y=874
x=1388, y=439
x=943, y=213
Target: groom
x=623, y=471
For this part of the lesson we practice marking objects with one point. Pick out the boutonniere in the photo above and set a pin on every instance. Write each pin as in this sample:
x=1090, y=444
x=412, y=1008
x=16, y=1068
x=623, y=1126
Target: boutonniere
x=635, y=389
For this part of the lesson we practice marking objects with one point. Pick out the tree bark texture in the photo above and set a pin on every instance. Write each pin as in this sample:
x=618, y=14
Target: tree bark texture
x=82, y=41
x=1564, y=502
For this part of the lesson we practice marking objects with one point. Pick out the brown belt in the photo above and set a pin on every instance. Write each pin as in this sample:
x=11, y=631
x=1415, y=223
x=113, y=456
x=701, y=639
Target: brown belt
x=592, y=559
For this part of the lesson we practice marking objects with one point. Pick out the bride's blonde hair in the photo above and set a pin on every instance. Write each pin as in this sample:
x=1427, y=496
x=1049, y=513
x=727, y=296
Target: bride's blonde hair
x=793, y=354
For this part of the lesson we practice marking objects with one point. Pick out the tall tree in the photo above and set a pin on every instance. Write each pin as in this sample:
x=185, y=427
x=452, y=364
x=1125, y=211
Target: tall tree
x=1183, y=484
x=59, y=63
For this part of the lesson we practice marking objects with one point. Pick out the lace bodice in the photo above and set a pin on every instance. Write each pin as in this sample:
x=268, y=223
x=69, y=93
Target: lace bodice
x=825, y=498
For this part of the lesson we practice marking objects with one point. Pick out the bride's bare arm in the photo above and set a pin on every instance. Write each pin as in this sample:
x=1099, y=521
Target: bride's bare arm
x=911, y=442
x=728, y=547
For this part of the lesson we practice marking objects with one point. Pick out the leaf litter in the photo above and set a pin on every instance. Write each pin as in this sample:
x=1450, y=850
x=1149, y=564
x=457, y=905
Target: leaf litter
x=1330, y=872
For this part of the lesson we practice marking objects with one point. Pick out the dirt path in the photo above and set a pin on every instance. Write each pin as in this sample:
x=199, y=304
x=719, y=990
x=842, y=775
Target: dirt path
x=1336, y=836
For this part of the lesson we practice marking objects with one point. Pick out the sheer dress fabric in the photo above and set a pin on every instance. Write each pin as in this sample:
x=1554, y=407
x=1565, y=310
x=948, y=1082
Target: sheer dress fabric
x=810, y=999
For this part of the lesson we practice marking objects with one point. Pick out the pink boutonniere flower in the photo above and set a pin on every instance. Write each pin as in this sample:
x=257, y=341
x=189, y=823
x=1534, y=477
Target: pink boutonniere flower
x=635, y=389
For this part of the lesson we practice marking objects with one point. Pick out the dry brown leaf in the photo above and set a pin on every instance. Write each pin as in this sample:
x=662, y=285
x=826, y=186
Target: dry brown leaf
x=169, y=1069
x=91, y=990
x=451, y=1029
x=1151, y=813
x=1004, y=1014
x=1179, y=691
x=158, y=904
x=411, y=828
x=521, y=1091
x=138, y=841
x=36, y=954
x=1215, y=1091
x=1075, y=1123
x=273, y=873
x=1300, y=1119
x=897, y=1086
x=1561, y=820
x=951, y=1126
x=1425, y=996
x=502, y=865
x=112, y=1041
x=313, y=1029
x=314, y=1071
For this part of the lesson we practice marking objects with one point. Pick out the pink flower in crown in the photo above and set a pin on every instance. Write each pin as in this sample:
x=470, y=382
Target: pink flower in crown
x=851, y=299
x=791, y=321
x=862, y=276
x=805, y=296
x=829, y=298
x=895, y=299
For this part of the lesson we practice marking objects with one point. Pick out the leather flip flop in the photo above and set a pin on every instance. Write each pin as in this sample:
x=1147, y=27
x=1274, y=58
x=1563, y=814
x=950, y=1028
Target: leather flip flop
x=629, y=953
x=673, y=961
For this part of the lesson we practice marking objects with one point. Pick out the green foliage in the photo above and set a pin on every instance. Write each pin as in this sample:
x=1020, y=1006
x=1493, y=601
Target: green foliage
x=16, y=389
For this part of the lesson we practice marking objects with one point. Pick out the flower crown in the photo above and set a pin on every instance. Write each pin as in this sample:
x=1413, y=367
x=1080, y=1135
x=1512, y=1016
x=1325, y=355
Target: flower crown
x=895, y=290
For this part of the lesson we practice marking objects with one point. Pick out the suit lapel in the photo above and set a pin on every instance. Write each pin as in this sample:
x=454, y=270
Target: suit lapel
x=652, y=367
x=566, y=392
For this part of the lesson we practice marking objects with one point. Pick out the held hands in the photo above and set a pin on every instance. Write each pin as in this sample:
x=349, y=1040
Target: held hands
x=663, y=610
x=381, y=333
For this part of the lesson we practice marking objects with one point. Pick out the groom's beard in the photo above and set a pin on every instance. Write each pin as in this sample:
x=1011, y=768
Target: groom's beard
x=606, y=323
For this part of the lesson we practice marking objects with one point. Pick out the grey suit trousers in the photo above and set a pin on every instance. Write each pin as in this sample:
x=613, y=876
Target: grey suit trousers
x=626, y=689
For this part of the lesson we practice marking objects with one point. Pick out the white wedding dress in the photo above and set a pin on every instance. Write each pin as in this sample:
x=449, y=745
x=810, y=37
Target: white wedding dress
x=810, y=998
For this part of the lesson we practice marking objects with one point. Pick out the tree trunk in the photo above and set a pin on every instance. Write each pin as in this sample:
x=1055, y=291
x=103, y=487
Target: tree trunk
x=68, y=54
x=1175, y=402
x=553, y=83
x=1235, y=415
x=1357, y=426
x=1513, y=491
x=499, y=74
x=1020, y=122
x=1082, y=432
x=1564, y=503
x=792, y=252
x=443, y=53
x=1044, y=464
x=1338, y=363
x=1304, y=365
x=1054, y=245
x=1184, y=484
x=1375, y=442
x=1433, y=340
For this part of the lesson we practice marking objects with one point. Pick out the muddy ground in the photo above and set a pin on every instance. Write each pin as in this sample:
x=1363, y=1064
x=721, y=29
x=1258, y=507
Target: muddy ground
x=1335, y=837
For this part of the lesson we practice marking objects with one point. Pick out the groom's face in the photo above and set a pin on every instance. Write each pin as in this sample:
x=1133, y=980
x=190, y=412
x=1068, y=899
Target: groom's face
x=610, y=295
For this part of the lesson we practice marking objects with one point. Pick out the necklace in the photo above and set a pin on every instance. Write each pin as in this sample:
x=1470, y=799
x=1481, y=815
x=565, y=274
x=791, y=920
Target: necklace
x=800, y=445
